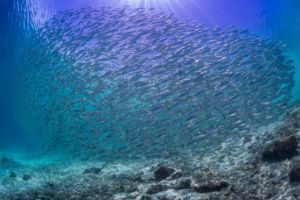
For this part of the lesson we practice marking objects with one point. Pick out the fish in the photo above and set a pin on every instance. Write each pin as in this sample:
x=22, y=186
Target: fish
x=113, y=82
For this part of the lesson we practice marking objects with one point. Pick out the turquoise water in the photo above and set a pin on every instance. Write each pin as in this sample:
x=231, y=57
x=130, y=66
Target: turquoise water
x=110, y=79
x=95, y=75
x=115, y=81
x=127, y=82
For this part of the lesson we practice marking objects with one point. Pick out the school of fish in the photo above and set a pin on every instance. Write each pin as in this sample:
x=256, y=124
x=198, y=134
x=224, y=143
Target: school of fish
x=118, y=83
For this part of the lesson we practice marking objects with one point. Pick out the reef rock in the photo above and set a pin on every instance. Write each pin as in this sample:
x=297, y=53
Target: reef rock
x=184, y=183
x=156, y=188
x=26, y=177
x=294, y=174
x=211, y=186
x=281, y=149
x=8, y=163
x=162, y=172
x=92, y=170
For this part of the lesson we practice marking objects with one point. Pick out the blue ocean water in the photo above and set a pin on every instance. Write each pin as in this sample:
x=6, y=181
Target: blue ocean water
x=86, y=83
x=118, y=80
x=21, y=20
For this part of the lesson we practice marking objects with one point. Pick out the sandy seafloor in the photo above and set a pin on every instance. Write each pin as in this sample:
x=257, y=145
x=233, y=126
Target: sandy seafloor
x=260, y=165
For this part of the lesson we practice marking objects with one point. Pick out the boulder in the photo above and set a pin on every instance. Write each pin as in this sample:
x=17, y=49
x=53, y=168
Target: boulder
x=12, y=175
x=281, y=149
x=211, y=186
x=294, y=174
x=163, y=172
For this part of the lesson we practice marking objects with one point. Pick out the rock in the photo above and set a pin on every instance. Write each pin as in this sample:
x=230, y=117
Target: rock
x=211, y=186
x=124, y=186
x=176, y=174
x=281, y=149
x=247, y=139
x=144, y=197
x=6, y=163
x=162, y=172
x=165, y=197
x=294, y=118
x=92, y=170
x=137, y=178
x=124, y=196
x=12, y=175
x=153, y=189
x=4, y=160
x=184, y=183
x=133, y=195
x=26, y=177
x=294, y=174
x=50, y=185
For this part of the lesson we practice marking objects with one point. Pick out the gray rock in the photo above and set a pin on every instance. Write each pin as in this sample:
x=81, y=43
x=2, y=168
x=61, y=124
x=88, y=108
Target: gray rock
x=92, y=170
x=162, y=172
x=26, y=177
x=184, y=183
x=144, y=197
x=211, y=186
x=294, y=118
x=138, y=178
x=12, y=175
x=281, y=149
x=156, y=188
x=176, y=174
x=8, y=163
x=294, y=174
x=165, y=197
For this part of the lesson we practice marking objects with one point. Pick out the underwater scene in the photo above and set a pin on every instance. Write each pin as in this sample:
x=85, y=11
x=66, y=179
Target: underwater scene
x=149, y=100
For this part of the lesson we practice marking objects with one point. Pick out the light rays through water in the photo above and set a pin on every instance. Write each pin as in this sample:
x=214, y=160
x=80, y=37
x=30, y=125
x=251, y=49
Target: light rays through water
x=171, y=6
